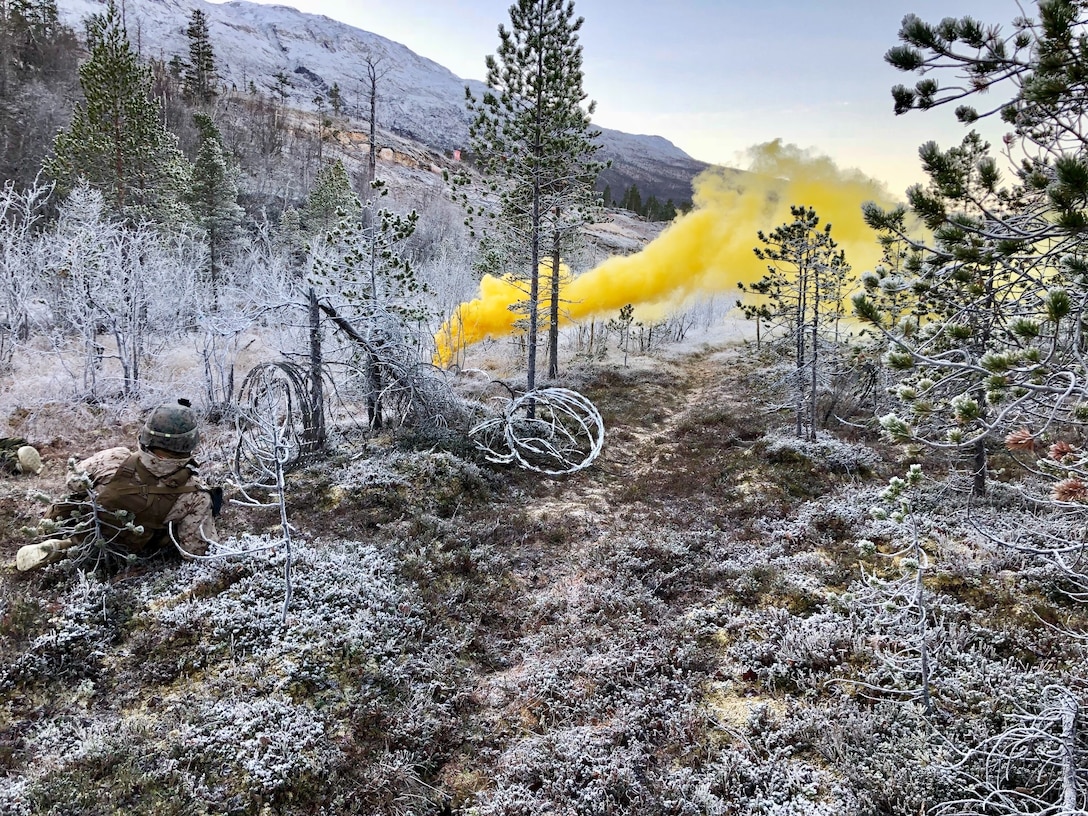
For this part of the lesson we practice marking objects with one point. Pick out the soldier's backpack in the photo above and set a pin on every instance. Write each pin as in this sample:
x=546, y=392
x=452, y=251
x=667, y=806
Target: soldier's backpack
x=134, y=490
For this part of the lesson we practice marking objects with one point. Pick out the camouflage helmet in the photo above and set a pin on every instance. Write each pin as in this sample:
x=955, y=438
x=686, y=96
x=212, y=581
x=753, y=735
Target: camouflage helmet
x=171, y=427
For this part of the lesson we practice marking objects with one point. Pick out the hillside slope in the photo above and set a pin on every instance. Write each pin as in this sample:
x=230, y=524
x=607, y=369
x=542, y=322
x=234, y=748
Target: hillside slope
x=258, y=45
x=679, y=629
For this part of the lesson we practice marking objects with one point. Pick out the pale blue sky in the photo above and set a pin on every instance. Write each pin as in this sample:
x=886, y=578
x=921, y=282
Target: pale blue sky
x=716, y=77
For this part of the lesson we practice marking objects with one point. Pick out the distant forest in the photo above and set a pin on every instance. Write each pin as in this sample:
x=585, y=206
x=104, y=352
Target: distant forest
x=651, y=208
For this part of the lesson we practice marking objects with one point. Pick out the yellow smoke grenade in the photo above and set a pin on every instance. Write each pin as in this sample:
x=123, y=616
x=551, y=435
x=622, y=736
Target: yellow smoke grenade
x=706, y=251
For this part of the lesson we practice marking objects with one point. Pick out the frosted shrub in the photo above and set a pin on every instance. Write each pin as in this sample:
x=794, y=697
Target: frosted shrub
x=1032, y=766
x=71, y=755
x=266, y=744
x=766, y=574
x=819, y=522
x=581, y=770
x=1051, y=547
x=762, y=766
x=13, y=798
x=71, y=738
x=972, y=676
x=345, y=597
x=77, y=638
x=738, y=783
x=432, y=465
x=376, y=471
x=784, y=650
x=607, y=673
x=906, y=654
x=827, y=452
x=426, y=479
x=210, y=751
x=443, y=471
x=267, y=708
x=661, y=564
x=606, y=769
x=983, y=688
x=888, y=756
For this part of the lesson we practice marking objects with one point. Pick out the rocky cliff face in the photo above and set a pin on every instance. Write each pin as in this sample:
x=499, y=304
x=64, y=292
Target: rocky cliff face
x=420, y=100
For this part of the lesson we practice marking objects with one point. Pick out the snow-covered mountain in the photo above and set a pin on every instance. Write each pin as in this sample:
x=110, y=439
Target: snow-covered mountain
x=420, y=99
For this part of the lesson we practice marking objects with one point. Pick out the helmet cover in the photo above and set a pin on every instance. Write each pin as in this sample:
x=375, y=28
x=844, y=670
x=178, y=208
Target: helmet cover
x=171, y=427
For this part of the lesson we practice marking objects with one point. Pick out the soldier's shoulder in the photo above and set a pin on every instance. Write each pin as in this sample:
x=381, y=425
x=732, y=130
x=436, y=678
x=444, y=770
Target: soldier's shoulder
x=196, y=481
x=118, y=454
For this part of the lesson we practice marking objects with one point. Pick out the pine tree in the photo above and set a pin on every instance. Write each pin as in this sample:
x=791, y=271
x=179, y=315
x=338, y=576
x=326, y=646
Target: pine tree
x=30, y=33
x=533, y=140
x=336, y=100
x=116, y=140
x=362, y=263
x=361, y=278
x=38, y=65
x=200, y=73
x=960, y=299
x=996, y=351
x=802, y=291
x=213, y=199
x=282, y=88
x=331, y=199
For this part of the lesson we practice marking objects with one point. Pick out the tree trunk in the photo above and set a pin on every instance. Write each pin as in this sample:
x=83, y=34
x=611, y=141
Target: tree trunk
x=553, y=309
x=213, y=266
x=534, y=297
x=799, y=344
x=1069, y=754
x=534, y=301
x=920, y=603
x=315, y=427
x=978, y=470
x=374, y=391
x=814, y=355
x=372, y=157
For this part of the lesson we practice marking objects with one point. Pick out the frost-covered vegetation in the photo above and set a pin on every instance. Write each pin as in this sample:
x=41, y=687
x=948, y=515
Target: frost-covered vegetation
x=815, y=574
x=717, y=619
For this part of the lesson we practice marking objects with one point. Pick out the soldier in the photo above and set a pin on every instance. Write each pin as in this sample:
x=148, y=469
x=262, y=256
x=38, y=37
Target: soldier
x=128, y=503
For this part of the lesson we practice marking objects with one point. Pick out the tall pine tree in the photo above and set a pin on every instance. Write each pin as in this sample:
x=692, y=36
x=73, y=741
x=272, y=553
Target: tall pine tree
x=532, y=138
x=331, y=199
x=999, y=283
x=200, y=73
x=117, y=141
x=213, y=199
x=802, y=291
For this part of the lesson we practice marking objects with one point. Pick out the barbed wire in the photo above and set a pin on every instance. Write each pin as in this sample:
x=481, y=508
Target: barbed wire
x=278, y=390
x=553, y=431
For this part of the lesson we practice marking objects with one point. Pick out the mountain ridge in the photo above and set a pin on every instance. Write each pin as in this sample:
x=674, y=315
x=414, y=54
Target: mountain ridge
x=419, y=99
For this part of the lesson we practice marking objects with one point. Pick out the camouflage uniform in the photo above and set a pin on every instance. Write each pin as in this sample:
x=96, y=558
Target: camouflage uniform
x=191, y=514
x=158, y=489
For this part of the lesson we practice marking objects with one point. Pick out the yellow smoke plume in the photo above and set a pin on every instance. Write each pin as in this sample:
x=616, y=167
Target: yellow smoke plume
x=709, y=250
